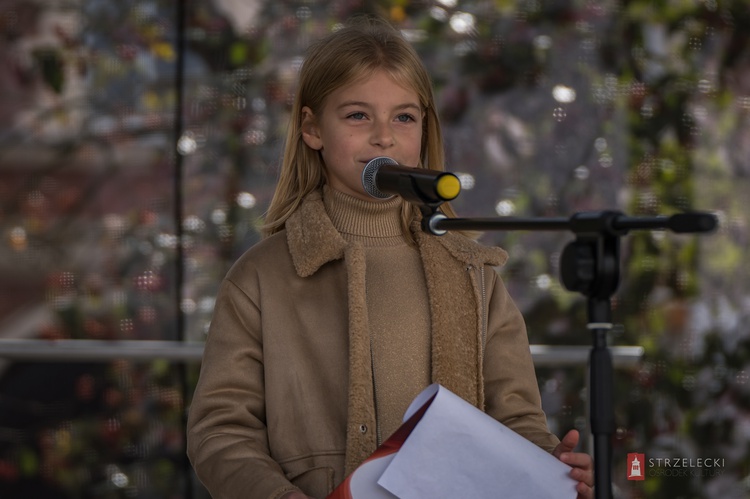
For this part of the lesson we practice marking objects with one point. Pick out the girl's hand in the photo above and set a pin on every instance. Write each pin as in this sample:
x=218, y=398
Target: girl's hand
x=582, y=464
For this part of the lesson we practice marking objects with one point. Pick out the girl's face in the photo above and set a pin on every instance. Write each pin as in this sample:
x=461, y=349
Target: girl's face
x=371, y=117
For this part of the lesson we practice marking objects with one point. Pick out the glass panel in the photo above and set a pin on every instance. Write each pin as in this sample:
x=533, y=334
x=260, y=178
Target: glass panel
x=88, y=248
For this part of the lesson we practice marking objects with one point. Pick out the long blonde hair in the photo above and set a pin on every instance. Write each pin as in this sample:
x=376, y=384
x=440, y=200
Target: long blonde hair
x=357, y=50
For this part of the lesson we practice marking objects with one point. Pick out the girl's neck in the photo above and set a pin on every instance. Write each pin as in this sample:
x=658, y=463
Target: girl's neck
x=373, y=223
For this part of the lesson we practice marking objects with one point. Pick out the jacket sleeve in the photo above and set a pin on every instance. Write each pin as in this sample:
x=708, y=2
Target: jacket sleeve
x=510, y=384
x=226, y=430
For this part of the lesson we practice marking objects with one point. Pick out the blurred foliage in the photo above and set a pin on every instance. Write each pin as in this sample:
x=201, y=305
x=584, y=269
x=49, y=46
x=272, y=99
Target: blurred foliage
x=548, y=108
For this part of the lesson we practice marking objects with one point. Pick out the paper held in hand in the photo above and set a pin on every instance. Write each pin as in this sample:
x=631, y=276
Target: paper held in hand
x=446, y=447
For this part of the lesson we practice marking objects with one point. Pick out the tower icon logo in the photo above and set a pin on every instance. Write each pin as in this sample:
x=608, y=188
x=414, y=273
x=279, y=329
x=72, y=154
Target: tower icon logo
x=635, y=466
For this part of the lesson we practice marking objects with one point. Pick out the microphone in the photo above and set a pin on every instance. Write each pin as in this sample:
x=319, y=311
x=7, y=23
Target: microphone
x=383, y=178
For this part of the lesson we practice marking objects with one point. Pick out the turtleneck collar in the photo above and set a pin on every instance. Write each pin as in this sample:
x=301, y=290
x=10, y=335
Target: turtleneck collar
x=372, y=223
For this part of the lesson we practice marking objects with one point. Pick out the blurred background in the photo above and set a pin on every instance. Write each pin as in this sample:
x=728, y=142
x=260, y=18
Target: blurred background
x=128, y=126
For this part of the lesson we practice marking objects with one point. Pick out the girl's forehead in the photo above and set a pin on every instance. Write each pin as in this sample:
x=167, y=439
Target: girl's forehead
x=375, y=83
x=379, y=91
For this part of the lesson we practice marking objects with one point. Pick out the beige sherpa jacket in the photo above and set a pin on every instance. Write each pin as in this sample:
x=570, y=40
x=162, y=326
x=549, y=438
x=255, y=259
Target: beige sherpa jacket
x=285, y=395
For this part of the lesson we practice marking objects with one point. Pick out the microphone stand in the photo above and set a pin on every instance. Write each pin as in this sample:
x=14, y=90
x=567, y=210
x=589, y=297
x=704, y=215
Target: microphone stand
x=589, y=265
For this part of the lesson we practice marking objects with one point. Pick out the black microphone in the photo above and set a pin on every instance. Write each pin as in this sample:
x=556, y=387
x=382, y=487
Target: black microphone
x=383, y=177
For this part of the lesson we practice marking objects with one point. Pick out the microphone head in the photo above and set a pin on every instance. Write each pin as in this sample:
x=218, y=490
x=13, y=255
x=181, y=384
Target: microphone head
x=368, y=176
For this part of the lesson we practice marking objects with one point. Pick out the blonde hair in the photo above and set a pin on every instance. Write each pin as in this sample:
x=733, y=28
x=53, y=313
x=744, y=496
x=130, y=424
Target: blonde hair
x=357, y=50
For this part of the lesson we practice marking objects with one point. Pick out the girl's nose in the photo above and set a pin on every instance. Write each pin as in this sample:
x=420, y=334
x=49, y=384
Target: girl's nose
x=382, y=135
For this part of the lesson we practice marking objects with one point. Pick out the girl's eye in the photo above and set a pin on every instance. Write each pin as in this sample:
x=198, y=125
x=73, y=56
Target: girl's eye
x=357, y=116
x=405, y=118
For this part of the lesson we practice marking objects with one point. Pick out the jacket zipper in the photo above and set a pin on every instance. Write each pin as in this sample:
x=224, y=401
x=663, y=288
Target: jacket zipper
x=378, y=431
x=483, y=307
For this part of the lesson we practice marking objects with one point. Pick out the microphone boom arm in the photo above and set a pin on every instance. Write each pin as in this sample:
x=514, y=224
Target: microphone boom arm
x=612, y=222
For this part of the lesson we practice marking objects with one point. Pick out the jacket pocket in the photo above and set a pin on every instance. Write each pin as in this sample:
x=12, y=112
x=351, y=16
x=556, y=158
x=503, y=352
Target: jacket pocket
x=315, y=482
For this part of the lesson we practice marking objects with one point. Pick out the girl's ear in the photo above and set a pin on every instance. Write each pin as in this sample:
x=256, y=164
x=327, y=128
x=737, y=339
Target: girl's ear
x=311, y=130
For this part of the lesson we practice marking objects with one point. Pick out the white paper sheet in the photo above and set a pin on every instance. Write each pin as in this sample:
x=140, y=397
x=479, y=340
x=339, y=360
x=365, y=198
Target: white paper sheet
x=458, y=451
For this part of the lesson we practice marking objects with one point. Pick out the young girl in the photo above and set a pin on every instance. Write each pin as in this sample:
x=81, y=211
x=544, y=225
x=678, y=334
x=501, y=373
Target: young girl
x=325, y=331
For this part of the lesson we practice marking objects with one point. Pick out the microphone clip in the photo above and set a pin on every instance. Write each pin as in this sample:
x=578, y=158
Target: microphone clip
x=431, y=217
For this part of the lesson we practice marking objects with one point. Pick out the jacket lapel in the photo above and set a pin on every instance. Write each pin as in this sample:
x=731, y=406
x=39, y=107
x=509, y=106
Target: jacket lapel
x=313, y=240
x=456, y=310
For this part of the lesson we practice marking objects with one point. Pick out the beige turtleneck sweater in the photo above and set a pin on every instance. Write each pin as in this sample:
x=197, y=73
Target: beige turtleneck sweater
x=397, y=305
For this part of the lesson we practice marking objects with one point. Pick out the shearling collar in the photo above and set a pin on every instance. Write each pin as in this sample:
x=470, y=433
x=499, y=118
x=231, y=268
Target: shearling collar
x=312, y=238
x=314, y=241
